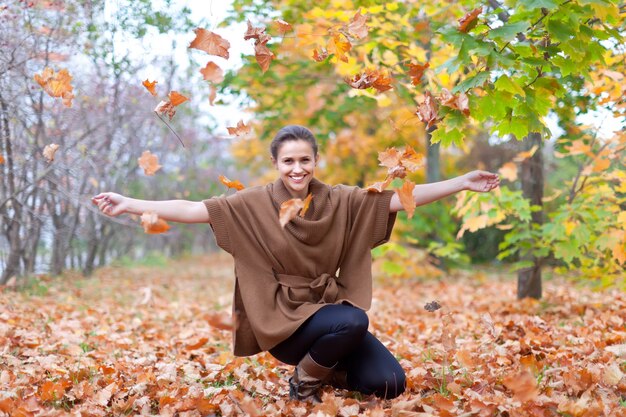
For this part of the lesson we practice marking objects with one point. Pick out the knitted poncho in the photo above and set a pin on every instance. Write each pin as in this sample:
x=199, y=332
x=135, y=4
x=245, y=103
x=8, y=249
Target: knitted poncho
x=283, y=276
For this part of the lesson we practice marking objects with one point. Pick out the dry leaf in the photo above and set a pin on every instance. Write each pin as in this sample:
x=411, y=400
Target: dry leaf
x=380, y=80
x=176, y=98
x=432, y=306
x=149, y=162
x=49, y=151
x=240, y=129
x=390, y=157
x=427, y=111
x=468, y=21
x=152, y=224
x=411, y=159
x=406, y=197
x=282, y=26
x=305, y=204
x=212, y=94
x=509, y=171
x=263, y=56
x=212, y=72
x=523, y=385
x=57, y=84
x=522, y=156
x=339, y=47
x=357, y=27
x=169, y=107
x=416, y=71
x=378, y=187
x=289, y=210
x=211, y=43
x=320, y=55
x=231, y=184
x=255, y=33
x=457, y=102
x=150, y=86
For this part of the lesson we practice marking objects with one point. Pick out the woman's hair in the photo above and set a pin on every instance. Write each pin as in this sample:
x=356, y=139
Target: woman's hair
x=292, y=132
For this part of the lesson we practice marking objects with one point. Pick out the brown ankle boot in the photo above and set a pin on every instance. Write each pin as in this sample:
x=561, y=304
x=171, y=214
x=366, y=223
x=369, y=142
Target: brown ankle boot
x=307, y=379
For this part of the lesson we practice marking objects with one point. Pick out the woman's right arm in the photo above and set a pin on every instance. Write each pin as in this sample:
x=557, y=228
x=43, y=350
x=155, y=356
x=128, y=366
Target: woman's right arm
x=181, y=211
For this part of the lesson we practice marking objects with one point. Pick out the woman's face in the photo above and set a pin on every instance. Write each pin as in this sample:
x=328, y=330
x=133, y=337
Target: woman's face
x=296, y=165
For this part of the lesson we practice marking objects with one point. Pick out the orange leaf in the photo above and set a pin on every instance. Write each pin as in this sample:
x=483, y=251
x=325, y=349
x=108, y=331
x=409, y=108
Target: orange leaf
x=256, y=33
x=149, y=162
x=339, y=47
x=289, y=210
x=601, y=164
x=176, y=98
x=378, y=187
x=380, y=80
x=57, y=84
x=1, y=160
x=321, y=55
x=282, y=26
x=522, y=156
x=427, y=111
x=458, y=102
x=231, y=184
x=49, y=151
x=211, y=43
x=165, y=107
x=152, y=224
x=357, y=27
x=212, y=94
x=406, y=197
x=508, y=171
x=197, y=344
x=468, y=21
x=305, y=204
x=150, y=86
x=411, y=160
x=416, y=71
x=221, y=321
x=390, y=157
x=240, y=129
x=52, y=391
x=263, y=56
x=212, y=72
x=523, y=385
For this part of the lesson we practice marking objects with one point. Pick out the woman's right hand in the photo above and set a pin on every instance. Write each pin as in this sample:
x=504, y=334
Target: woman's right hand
x=111, y=204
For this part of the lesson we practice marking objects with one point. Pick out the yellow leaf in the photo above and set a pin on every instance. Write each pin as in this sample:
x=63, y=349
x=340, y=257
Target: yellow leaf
x=569, y=227
x=231, y=184
x=305, y=204
x=621, y=218
x=601, y=164
x=473, y=224
x=509, y=171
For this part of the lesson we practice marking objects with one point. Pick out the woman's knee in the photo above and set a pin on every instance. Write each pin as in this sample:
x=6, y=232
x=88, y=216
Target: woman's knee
x=386, y=385
x=354, y=322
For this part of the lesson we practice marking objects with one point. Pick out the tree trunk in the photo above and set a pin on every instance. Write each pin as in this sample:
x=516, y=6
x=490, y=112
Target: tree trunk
x=433, y=166
x=529, y=279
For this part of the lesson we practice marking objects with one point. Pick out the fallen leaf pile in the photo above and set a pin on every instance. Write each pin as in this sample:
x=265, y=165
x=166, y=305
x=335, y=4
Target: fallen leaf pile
x=155, y=341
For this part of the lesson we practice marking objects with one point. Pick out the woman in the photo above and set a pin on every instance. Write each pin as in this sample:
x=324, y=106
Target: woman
x=301, y=291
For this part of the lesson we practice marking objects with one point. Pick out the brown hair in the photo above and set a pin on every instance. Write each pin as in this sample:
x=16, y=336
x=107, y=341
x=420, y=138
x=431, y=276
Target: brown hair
x=292, y=132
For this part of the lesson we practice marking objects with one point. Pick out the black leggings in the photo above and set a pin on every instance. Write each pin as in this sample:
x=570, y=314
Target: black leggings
x=337, y=335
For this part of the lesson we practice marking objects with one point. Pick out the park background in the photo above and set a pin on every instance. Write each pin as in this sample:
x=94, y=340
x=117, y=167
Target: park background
x=531, y=89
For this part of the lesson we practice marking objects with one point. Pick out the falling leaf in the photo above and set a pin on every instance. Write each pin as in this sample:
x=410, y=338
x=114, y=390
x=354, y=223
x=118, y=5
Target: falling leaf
x=282, y=26
x=211, y=43
x=509, y=171
x=432, y=306
x=406, y=197
x=390, y=157
x=411, y=159
x=212, y=94
x=427, y=111
x=523, y=385
x=289, y=210
x=212, y=72
x=467, y=22
x=150, y=86
x=176, y=98
x=149, y=162
x=240, y=129
x=152, y=224
x=263, y=56
x=197, y=344
x=255, y=33
x=320, y=55
x=169, y=106
x=305, y=204
x=378, y=187
x=357, y=27
x=2, y=159
x=380, y=80
x=339, y=47
x=49, y=151
x=57, y=84
x=416, y=71
x=231, y=184
x=522, y=156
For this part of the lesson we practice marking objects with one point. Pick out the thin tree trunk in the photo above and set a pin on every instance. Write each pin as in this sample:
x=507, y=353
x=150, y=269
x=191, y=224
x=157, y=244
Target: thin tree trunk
x=433, y=165
x=529, y=279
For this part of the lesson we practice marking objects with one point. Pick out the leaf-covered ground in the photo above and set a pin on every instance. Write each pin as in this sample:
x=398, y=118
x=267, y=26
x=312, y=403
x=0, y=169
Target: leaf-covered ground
x=151, y=341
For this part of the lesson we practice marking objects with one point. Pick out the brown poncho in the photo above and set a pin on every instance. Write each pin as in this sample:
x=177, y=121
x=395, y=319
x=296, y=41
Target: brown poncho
x=283, y=276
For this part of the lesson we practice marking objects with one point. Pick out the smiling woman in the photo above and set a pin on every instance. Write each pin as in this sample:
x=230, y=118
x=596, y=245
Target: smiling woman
x=302, y=290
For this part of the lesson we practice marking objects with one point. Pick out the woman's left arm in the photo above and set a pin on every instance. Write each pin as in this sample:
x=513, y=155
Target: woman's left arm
x=480, y=181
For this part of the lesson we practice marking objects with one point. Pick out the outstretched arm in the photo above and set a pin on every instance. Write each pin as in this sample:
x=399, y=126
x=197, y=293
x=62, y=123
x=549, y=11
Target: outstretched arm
x=480, y=181
x=182, y=211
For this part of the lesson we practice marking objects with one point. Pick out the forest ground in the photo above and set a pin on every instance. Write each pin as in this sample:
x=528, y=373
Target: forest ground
x=155, y=340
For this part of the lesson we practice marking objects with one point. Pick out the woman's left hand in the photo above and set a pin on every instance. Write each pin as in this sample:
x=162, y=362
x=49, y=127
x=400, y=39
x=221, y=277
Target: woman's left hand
x=481, y=181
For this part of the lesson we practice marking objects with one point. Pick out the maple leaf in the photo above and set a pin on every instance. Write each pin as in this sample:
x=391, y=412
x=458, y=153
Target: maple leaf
x=357, y=27
x=378, y=187
x=49, y=151
x=289, y=210
x=240, y=129
x=231, y=184
x=150, y=86
x=254, y=33
x=390, y=157
x=176, y=98
x=457, y=102
x=306, y=204
x=169, y=107
x=212, y=72
x=406, y=197
x=432, y=306
x=411, y=159
x=427, y=111
x=282, y=26
x=263, y=56
x=149, y=162
x=416, y=72
x=211, y=43
x=321, y=55
x=152, y=224
x=380, y=80
x=339, y=47
x=212, y=94
x=467, y=22
x=508, y=171
x=57, y=84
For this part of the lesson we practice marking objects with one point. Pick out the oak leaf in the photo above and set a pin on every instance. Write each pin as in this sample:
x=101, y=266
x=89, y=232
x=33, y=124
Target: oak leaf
x=416, y=72
x=339, y=47
x=357, y=27
x=289, y=210
x=467, y=22
x=282, y=26
x=406, y=197
x=427, y=111
x=211, y=43
x=231, y=184
x=57, y=84
x=212, y=72
x=152, y=224
x=150, y=86
x=240, y=129
x=149, y=162
x=49, y=151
